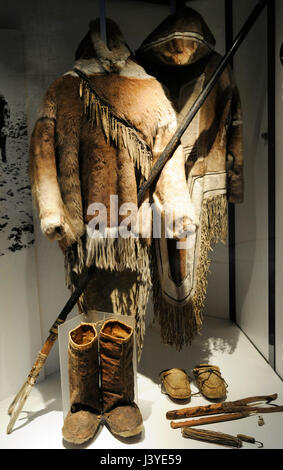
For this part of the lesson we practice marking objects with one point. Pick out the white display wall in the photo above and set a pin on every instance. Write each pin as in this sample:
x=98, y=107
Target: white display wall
x=20, y=332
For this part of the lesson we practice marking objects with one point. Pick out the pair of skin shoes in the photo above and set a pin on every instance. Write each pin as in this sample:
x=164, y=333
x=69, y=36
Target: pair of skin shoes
x=176, y=384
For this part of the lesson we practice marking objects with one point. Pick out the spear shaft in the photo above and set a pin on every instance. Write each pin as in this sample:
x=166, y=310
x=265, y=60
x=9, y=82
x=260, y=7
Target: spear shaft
x=21, y=397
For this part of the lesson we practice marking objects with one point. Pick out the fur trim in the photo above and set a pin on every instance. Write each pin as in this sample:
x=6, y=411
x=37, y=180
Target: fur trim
x=177, y=35
x=115, y=254
x=93, y=66
x=118, y=254
x=181, y=39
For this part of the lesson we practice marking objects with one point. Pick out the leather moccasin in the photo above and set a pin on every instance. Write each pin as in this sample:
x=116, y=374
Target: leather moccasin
x=210, y=381
x=175, y=382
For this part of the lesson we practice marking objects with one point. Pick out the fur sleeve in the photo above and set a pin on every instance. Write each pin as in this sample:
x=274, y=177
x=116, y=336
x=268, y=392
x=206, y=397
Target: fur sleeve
x=171, y=197
x=172, y=200
x=43, y=172
x=235, y=151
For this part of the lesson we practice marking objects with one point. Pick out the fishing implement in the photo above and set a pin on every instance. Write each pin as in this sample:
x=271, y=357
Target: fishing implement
x=230, y=411
x=213, y=437
x=220, y=438
x=21, y=397
x=249, y=439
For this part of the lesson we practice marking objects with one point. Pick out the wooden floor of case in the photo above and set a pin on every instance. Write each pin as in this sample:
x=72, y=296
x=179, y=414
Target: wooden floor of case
x=221, y=343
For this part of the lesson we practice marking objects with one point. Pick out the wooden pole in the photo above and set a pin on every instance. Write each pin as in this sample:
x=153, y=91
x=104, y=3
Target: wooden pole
x=210, y=420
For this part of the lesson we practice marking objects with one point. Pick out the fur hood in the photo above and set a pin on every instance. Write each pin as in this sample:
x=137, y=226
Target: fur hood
x=94, y=56
x=112, y=56
x=181, y=39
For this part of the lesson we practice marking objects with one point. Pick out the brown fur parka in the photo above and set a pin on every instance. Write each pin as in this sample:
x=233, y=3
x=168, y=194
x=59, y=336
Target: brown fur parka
x=95, y=140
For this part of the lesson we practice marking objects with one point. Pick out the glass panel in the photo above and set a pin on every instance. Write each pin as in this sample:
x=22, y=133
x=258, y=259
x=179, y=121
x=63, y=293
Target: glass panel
x=250, y=65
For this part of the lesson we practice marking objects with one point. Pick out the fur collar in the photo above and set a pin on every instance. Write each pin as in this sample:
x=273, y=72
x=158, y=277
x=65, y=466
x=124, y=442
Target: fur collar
x=93, y=66
x=95, y=56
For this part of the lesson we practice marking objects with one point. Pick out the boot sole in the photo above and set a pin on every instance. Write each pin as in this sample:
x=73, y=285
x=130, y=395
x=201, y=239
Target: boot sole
x=131, y=433
x=78, y=441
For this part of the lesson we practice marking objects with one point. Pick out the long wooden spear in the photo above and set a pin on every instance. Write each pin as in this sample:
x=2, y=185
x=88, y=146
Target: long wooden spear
x=21, y=397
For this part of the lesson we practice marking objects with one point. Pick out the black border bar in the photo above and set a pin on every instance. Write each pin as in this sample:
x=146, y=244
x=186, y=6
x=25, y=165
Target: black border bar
x=271, y=178
x=231, y=207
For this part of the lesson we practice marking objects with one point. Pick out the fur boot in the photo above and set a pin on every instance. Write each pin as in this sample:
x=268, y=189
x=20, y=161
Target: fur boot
x=84, y=416
x=116, y=341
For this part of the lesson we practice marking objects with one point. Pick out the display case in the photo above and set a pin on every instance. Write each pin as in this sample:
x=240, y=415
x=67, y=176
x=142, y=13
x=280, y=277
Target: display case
x=242, y=322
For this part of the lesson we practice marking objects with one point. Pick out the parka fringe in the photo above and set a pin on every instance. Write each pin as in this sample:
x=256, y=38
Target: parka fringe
x=117, y=131
x=114, y=254
x=179, y=325
x=136, y=297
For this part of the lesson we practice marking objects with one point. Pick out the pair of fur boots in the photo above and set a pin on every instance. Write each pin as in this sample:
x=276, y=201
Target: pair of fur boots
x=101, y=381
